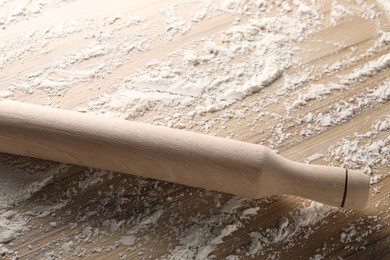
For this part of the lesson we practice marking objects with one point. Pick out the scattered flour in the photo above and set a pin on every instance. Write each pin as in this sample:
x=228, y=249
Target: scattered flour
x=369, y=70
x=382, y=93
x=200, y=239
x=202, y=13
x=235, y=6
x=69, y=69
x=314, y=92
x=354, y=235
x=19, y=181
x=177, y=25
x=300, y=224
x=344, y=110
x=233, y=204
x=339, y=12
x=203, y=78
x=372, y=68
x=22, y=11
x=314, y=157
x=206, y=75
x=5, y=94
x=386, y=6
x=127, y=240
x=364, y=151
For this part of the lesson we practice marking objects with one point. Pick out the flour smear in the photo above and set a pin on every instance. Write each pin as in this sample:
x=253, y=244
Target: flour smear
x=250, y=66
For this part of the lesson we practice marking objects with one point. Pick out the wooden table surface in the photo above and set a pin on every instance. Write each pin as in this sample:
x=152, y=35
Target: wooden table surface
x=83, y=213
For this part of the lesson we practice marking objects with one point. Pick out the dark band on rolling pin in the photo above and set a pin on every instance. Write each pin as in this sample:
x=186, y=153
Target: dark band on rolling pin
x=345, y=188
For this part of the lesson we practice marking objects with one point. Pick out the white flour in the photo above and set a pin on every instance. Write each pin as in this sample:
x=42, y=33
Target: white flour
x=68, y=70
x=361, y=152
x=386, y=6
x=19, y=181
x=302, y=223
x=252, y=60
x=206, y=79
x=344, y=110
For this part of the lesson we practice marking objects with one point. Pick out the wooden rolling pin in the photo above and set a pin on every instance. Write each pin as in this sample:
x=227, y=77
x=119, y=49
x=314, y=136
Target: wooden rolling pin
x=173, y=155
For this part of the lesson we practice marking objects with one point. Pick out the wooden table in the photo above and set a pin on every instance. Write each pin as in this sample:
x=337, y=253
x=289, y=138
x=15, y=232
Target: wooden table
x=94, y=214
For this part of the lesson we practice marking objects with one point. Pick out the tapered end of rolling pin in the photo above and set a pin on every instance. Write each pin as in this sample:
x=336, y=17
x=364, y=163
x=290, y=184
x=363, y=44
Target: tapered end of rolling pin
x=334, y=186
x=357, y=186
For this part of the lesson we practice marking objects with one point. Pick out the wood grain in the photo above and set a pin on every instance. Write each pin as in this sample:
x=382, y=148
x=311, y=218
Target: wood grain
x=88, y=207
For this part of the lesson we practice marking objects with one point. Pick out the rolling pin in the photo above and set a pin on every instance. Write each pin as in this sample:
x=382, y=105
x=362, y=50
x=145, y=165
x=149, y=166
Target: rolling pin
x=178, y=156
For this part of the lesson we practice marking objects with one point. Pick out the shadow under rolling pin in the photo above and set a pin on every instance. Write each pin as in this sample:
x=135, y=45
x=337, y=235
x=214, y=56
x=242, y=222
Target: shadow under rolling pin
x=172, y=155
